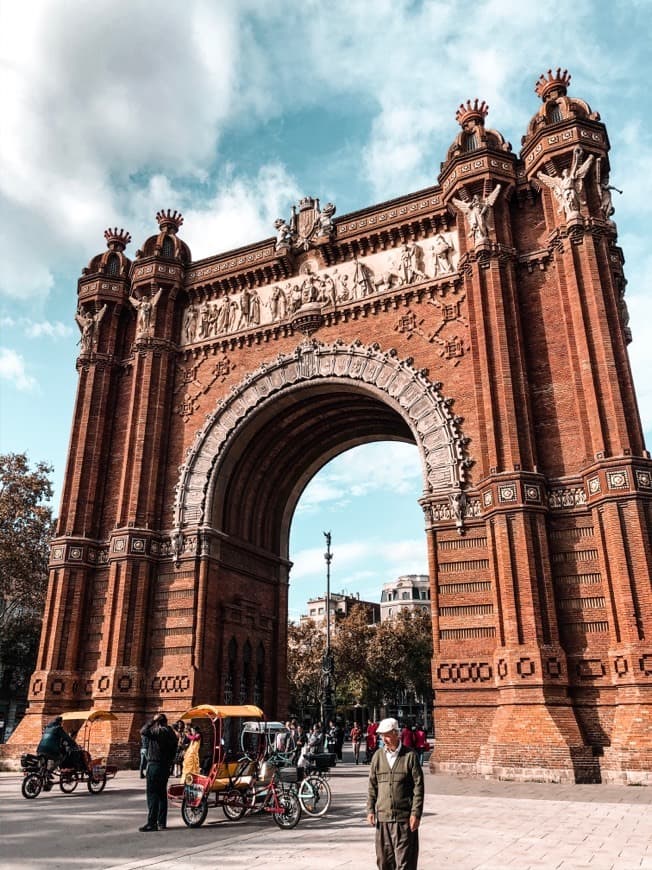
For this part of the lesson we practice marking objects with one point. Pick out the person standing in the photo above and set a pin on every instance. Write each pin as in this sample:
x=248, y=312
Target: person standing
x=161, y=751
x=395, y=800
x=372, y=741
x=300, y=740
x=179, y=729
x=191, y=755
x=407, y=737
x=421, y=742
x=143, y=755
x=339, y=740
x=356, y=740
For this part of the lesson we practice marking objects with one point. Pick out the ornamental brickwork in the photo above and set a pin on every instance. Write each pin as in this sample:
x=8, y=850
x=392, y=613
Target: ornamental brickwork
x=482, y=319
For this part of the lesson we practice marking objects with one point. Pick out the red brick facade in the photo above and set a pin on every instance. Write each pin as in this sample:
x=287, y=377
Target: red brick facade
x=482, y=319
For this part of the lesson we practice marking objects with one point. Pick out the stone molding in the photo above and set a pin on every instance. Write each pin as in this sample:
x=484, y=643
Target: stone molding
x=418, y=400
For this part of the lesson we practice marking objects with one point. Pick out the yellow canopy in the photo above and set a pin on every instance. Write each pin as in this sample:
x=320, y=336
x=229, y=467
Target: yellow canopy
x=87, y=715
x=210, y=711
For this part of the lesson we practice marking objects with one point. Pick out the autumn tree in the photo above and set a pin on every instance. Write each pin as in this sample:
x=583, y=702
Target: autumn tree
x=306, y=645
x=375, y=665
x=399, y=656
x=350, y=649
x=25, y=530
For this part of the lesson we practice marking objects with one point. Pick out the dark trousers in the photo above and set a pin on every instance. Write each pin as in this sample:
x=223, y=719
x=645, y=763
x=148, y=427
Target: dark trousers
x=397, y=847
x=157, y=793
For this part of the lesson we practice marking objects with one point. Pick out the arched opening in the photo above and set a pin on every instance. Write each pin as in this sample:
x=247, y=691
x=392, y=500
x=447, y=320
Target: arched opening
x=253, y=459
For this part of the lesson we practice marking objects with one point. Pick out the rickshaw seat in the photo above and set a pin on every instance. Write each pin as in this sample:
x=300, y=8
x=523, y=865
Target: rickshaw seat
x=222, y=783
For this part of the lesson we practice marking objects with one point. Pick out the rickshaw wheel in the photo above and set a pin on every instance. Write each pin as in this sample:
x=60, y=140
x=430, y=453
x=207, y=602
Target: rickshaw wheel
x=194, y=817
x=68, y=782
x=291, y=814
x=233, y=804
x=32, y=785
x=96, y=783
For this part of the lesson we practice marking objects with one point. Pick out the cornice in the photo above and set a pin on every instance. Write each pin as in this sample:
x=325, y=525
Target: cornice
x=549, y=142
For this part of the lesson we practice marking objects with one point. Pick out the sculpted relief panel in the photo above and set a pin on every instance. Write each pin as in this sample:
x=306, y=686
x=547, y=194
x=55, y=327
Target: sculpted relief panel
x=340, y=285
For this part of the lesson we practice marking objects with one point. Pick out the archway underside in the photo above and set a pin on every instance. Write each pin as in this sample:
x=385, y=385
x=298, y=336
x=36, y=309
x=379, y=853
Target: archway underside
x=269, y=464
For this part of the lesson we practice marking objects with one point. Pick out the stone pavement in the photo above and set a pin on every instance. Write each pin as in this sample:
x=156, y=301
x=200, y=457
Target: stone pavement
x=469, y=824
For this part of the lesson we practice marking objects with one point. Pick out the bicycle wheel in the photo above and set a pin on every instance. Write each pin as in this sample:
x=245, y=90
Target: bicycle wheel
x=291, y=814
x=315, y=796
x=32, y=785
x=194, y=817
x=96, y=782
x=68, y=781
x=234, y=805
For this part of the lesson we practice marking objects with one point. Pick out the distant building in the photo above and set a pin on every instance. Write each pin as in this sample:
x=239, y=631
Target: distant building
x=340, y=606
x=408, y=592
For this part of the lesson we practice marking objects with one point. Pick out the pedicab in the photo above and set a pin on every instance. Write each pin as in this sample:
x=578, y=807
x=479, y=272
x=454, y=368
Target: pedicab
x=234, y=781
x=77, y=765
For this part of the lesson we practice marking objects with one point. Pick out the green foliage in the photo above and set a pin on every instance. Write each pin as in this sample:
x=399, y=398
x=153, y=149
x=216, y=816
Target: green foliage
x=374, y=664
x=25, y=530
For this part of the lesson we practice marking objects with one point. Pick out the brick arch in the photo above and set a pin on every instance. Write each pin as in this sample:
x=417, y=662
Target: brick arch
x=425, y=413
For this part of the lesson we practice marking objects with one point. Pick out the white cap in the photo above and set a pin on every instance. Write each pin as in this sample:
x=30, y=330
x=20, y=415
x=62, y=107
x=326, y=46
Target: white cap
x=387, y=725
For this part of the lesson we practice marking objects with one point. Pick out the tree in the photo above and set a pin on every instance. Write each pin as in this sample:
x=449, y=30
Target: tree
x=375, y=665
x=350, y=646
x=399, y=656
x=26, y=527
x=306, y=645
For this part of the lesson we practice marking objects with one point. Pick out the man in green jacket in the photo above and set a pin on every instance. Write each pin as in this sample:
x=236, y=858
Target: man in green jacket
x=395, y=801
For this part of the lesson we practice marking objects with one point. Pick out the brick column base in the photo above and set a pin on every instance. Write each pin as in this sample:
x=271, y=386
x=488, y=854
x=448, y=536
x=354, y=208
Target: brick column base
x=628, y=758
x=537, y=742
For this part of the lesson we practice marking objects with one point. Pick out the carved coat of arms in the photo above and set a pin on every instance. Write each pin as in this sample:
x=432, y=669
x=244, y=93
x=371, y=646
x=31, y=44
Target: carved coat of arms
x=308, y=223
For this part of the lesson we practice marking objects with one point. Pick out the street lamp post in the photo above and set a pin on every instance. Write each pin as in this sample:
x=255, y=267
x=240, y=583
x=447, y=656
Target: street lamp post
x=328, y=663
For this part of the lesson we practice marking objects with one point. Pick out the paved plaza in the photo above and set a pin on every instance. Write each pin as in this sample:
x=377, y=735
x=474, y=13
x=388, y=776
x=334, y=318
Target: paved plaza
x=469, y=824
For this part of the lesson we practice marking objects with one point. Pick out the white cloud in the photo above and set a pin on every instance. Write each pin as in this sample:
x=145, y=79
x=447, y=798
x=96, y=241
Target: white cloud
x=387, y=467
x=358, y=568
x=107, y=117
x=352, y=559
x=55, y=329
x=12, y=369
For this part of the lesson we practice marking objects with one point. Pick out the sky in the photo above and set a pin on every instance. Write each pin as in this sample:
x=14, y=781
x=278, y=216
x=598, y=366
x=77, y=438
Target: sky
x=231, y=111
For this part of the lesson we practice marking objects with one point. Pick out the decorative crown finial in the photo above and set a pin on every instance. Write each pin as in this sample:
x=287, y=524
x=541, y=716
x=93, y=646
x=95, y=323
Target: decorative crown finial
x=472, y=111
x=170, y=220
x=557, y=81
x=118, y=238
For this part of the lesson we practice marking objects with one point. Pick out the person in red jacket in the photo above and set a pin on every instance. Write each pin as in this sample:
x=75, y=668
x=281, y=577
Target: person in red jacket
x=372, y=741
x=421, y=744
x=407, y=737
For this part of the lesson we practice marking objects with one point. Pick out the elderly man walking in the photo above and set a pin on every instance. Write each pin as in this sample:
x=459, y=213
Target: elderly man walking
x=395, y=801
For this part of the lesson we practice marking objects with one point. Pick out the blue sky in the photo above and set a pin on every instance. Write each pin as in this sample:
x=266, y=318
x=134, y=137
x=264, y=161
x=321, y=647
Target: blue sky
x=230, y=112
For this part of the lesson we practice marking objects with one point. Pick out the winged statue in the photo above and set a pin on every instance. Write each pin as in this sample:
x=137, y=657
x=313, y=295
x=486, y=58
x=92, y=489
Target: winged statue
x=88, y=324
x=475, y=212
x=567, y=187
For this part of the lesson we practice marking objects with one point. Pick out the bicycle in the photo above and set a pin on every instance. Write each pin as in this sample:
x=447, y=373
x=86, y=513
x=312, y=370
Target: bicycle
x=314, y=795
x=310, y=786
x=281, y=803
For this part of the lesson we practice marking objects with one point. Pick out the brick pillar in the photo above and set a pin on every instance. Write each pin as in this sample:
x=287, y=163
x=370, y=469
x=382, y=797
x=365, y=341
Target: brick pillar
x=501, y=678
x=57, y=683
x=609, y=671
